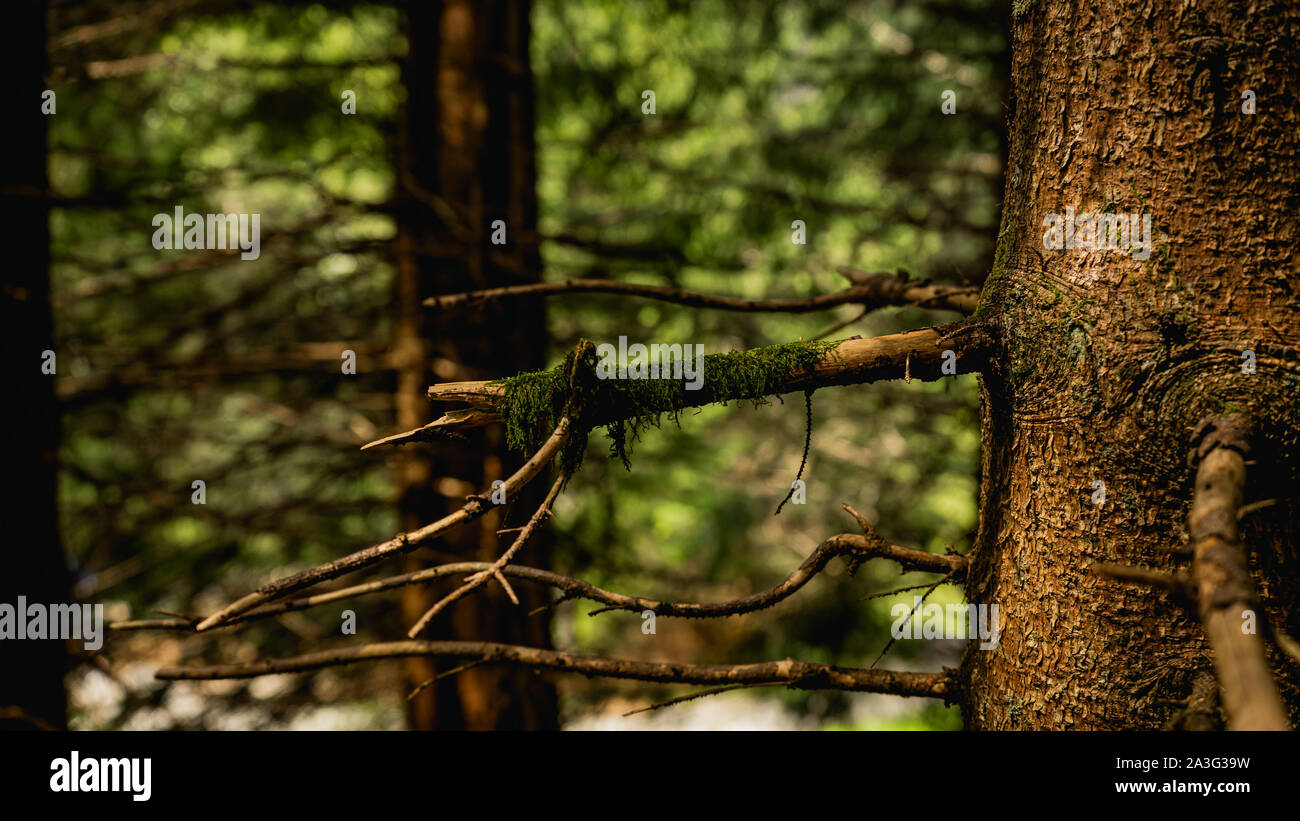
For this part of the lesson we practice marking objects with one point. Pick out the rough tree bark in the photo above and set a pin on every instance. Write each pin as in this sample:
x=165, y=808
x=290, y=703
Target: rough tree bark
x=467, y=160
x=1108, y=363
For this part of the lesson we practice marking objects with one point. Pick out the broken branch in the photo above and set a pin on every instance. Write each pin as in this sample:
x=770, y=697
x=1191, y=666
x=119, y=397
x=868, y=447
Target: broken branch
x=1173, y=582
x=920, y=354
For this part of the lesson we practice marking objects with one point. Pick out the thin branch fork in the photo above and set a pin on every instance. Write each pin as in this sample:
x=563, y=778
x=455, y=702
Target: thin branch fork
x=802, y=675
x=871, y=290
x=693, y=696
x=856, y=548
x=446, y=426
x=918, y=354
x=474, y=508
x=378, y=586
x=494, y=571
x=1225, y=591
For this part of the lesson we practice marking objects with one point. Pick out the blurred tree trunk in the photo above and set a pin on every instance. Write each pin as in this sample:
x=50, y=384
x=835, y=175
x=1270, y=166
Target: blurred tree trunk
x=31, y=672
x=465, y=160
x=1110, y=361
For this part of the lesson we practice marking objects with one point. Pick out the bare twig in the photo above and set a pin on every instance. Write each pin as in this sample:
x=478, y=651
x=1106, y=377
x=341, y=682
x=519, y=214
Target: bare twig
x=156, y=624
x=807, y=444
x=886, y=593
x=933, y=586
x=700, y=694
x=307, y=602
x=473, y=508
x=1285, y=643
x=1173, y=582
x=841, y=325
x=922, y=293
x=1253, y=507
x=494, y=571
x=859, y=518
x=448, y=424
x=801, y=675
x=856, y=548
x=871, y=290
x=16, y=713
x=424, y=685
x=1225, y=592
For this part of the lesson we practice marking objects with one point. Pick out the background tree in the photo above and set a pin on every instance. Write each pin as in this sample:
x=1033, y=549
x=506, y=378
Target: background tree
x=467, y=218
x=343, y=192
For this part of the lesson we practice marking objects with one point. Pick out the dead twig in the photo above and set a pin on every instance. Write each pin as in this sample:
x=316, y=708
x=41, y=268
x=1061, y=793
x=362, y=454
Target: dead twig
x=494, y=571
x=1225, y=592
x=802, y=675
x=474, y=508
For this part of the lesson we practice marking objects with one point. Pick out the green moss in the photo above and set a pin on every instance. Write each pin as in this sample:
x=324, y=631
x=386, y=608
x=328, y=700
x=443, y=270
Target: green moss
x=533, y=403
x=1013, y=706
x=1225, y=407
x=996, y=284
x=1129, y=500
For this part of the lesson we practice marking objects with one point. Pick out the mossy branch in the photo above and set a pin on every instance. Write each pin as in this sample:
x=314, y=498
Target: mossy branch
x=626, y=407
x=527, y=401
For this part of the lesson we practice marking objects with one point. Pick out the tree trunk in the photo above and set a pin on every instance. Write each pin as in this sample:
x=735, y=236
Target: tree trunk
x=31, y=672
x=467, y=160
x=1109, y=362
